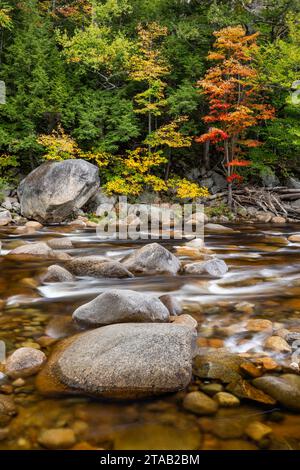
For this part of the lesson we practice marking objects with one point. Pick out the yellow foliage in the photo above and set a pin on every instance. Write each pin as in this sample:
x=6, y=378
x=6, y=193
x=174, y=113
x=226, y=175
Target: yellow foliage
x=186, y=189
x=141, y=160
x=122, y=186
x=60, y=146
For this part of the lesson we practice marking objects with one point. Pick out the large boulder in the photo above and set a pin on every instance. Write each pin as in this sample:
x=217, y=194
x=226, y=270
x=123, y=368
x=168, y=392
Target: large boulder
x=124, y=361
x=55, y=190
x=152, y=259
x=121, y=306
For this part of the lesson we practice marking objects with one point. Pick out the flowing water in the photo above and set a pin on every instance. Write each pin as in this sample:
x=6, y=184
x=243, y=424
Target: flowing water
x=263, y=281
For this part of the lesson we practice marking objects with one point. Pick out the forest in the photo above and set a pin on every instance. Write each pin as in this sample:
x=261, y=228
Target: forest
x=156, y=93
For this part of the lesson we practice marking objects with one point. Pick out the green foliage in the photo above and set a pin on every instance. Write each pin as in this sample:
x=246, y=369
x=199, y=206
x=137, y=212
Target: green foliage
x=91, y=68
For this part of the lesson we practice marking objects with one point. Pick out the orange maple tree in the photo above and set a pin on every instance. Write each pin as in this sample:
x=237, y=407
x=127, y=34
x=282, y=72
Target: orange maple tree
x=235, y=98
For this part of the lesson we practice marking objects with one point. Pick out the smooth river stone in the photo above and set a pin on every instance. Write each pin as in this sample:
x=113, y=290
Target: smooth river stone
x=123, y=361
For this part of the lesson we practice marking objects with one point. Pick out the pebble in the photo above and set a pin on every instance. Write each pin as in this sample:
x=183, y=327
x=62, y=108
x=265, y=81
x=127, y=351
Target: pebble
x=187, y=320
x=7, y=409
x=257, y=325
x=267, y=363
x=257, y=431
x=294, y=238
x=200, y=404
x=33, y=224
x=250, y=369
x=285, y=389
x=244, y=389
x=212, y=389
x=59, y=438
x=24, y=362
x=278, y=220
x=282, y=332
x=226, y=400
x=245, y=307
x=278, y=344
x=18, y=382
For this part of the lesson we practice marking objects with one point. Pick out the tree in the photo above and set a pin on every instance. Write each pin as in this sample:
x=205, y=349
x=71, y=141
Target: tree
x=235, y=98
x=36, y=85
x=148, y=66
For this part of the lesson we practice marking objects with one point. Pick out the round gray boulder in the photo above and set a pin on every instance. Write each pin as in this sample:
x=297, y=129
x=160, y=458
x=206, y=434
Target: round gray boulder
x=152, y=259
x=124, y=361
x=55, y=190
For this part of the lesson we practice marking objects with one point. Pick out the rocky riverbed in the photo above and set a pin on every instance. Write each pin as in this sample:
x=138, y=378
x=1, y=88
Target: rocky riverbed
x=169, y=345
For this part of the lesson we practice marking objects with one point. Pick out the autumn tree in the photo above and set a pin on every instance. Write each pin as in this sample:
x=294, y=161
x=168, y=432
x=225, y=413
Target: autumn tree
x=234, y=97
x=149, y=67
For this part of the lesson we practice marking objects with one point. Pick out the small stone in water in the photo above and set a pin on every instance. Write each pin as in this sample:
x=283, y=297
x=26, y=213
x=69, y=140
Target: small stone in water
x=292, y=336
x=257, y=325
x=245, y=307
x=226, y=400
x=276, y=343
x=243, y=389
x=257, y=431
x=187, y=320
x=18, y=382
x=294, y=238
x=250, y=369
x=267, y=363
x=7, y=409
x=199, y=403
x=212, y=389
x=282, y=332
x=25, y=362
x=60, y=438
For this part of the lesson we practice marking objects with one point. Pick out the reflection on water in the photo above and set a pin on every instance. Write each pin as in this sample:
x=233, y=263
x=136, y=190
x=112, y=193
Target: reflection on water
x=263, y=281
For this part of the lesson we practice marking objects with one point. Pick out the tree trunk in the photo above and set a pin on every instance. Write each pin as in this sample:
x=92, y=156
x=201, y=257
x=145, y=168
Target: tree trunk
x=227, y=158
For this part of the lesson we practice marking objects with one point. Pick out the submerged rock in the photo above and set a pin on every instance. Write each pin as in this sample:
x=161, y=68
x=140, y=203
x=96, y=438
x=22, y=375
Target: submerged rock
x=121, y=306
x=124, y=361
x=284, y=389
x=200, y=404
x=244, y=389
x=7, y=409
x=185, y=319
x=61, y=243
x=57, y=438
x=220, y=365
x=152, y=259
x=214, y=267
x=56, y=273
x=276, y=343
x=226, y=400
x=217, y=228
x=24, y=362
x=33, y=249
x=97, y=266
x=55, y=190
